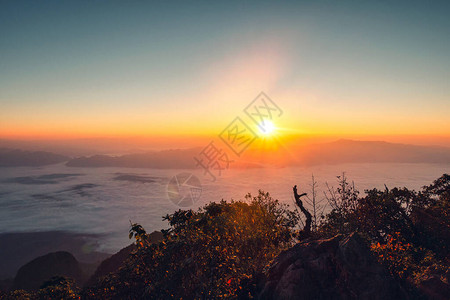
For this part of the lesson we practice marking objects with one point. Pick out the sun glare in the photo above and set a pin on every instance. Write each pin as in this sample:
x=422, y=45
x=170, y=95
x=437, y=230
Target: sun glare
x=266, y=128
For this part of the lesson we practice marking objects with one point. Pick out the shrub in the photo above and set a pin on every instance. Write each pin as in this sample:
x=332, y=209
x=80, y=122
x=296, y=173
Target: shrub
x=215, y=252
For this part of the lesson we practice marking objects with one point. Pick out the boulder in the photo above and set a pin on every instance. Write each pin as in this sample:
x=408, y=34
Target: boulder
x=336, y=268
x=33, y=274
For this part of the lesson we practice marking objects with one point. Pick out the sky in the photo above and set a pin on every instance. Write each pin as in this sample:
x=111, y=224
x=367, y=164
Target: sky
x=81, y=69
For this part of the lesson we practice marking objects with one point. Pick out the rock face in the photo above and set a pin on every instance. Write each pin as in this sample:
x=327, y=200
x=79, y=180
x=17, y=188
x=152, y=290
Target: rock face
x=435, y=288
x=19, y=248
x=337, y=268
x=33, y=274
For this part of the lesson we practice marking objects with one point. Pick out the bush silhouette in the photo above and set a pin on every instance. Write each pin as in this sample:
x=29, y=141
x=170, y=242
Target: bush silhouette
x=215, y=252
x=222, y=249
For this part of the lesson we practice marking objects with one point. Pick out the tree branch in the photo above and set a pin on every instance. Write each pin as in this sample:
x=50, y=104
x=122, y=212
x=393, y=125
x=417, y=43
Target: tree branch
x=306, y=232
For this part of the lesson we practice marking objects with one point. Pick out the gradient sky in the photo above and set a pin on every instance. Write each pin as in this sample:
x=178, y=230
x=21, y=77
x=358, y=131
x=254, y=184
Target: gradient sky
x=130, y=68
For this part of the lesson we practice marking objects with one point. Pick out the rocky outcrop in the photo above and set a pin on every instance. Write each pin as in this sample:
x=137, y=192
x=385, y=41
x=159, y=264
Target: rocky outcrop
x=434, y=288
x=33, y=274
x=336, y=268
x=19, y=248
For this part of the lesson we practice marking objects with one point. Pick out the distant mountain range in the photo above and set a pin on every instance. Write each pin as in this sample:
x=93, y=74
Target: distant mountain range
x=166, y=159
x=341, y=151
x=350, y=151
x=19, y=158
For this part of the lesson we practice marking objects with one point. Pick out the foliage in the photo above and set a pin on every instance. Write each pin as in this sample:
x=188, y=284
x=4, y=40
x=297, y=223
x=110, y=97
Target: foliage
x=409, y=262
x=57, y=287
x=343, y=202
x=409, y=231
x=16, y=294
x=215, y=252
x=316, y=205
x=221, y=250
x=396, y=253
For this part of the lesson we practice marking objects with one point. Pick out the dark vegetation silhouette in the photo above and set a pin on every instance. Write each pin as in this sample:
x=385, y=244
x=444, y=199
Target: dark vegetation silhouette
x=306, y=231
x=223, y=249
x=317, y=206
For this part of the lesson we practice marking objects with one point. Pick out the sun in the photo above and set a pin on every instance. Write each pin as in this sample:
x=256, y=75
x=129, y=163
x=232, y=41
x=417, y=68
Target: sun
x=266, y=128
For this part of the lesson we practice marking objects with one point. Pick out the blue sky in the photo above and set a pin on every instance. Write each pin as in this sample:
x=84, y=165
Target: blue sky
x=67, y=67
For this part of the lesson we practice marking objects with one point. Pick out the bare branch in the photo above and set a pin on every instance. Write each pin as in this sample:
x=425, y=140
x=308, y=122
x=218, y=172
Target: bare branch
x=307, y=228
